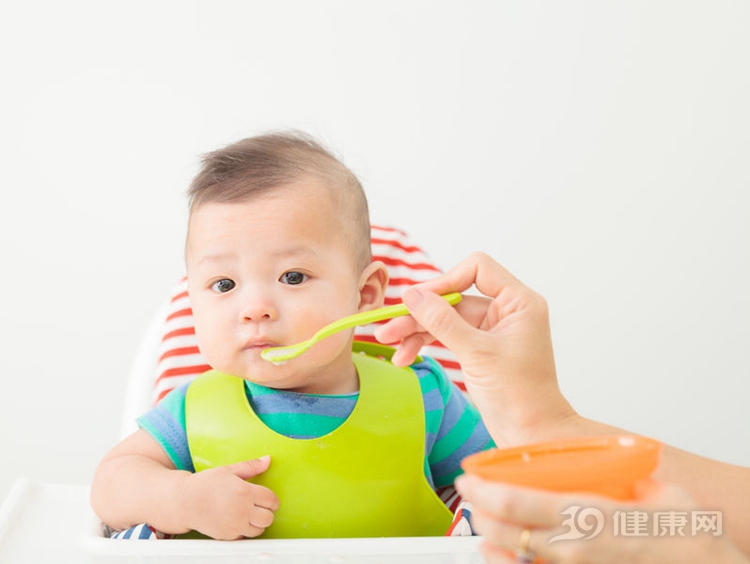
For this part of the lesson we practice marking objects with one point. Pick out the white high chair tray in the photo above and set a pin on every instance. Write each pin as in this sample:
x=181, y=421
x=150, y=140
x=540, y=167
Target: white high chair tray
x=42, y=522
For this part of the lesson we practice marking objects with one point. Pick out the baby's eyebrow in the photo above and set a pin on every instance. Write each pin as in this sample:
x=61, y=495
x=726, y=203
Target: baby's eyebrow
x=214, y=257
x=297, y=250
x=224, y=257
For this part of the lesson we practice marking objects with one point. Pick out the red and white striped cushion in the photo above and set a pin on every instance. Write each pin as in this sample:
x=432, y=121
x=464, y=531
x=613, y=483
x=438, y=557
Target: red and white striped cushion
x=180, y=359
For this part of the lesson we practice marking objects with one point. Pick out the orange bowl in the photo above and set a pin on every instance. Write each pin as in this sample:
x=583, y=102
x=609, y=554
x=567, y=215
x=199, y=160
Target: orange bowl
x=610, y=466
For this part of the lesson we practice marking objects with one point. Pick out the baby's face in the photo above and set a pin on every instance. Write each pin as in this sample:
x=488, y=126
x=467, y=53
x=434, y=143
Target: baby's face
x=270, y=272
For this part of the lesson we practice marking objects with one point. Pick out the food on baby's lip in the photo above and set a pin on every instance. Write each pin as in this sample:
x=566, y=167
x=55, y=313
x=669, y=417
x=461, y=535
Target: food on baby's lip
x=609, y=465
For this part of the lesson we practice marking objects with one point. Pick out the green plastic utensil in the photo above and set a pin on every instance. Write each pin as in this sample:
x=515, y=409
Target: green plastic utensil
x=279, y=355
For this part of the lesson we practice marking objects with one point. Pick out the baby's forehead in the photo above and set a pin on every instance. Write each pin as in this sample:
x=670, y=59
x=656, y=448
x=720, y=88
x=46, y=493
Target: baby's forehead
x=335, y=207
x=221, y=230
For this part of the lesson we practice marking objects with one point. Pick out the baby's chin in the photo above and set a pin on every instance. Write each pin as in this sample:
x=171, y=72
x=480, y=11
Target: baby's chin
x=256, y=373
x=263, y=373
x=294, y=374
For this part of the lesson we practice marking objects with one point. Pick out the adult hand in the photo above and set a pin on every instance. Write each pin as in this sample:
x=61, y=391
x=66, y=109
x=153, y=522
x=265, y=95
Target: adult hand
x=501, y=513
x=502, y=340
x=503, y=343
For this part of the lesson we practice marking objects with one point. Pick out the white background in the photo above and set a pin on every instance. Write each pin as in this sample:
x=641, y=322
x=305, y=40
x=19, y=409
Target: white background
x=600, y=150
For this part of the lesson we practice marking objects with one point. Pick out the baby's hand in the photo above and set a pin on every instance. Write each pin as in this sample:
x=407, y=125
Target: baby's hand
x=221, y=504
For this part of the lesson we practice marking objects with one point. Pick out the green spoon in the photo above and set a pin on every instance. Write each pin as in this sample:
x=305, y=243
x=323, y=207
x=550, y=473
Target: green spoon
x=279, y=355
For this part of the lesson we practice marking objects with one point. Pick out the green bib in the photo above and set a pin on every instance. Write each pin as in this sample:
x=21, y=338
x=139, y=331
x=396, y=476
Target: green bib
x=364, y=479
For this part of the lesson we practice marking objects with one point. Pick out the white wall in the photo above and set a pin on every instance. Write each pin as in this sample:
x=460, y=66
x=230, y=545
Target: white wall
x=598, y=149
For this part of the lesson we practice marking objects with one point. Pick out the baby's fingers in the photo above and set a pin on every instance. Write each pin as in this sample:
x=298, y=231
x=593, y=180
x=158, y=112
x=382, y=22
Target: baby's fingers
x=250, y=532
x=261, y=518
x=257, y=521
x=263, y=498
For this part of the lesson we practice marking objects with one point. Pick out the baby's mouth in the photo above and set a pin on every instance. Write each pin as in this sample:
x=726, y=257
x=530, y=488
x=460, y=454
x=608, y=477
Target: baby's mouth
x=259, y=345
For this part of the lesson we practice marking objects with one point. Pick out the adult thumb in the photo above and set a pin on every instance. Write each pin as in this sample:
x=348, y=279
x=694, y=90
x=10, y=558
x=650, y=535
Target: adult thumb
x=438, y=318
x=250, y=468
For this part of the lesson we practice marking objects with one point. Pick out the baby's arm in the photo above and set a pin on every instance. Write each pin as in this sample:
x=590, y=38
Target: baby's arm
x=136, y=482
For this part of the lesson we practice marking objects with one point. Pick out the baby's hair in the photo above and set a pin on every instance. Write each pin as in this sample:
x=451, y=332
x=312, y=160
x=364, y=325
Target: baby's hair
x=259, y=164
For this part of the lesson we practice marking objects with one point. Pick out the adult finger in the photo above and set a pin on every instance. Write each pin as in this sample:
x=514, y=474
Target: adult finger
x=439, y=319
x=506, y=538
x=409, y=348
x=492, y=554
x=473, y=309
x=514, y=504
x=503, y=539
x=479, y=270
x=397, y=329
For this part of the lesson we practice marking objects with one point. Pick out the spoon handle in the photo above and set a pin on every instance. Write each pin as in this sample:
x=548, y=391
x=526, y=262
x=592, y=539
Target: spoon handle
x=379, y=314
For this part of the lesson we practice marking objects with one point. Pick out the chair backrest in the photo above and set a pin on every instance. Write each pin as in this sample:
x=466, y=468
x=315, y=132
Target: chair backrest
x=168, y=354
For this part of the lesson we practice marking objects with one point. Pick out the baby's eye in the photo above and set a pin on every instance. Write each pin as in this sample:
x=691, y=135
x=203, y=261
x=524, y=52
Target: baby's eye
x=293, y=278
x=222, y=286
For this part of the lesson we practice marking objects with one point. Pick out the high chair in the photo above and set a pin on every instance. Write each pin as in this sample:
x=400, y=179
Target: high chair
x=167, y=356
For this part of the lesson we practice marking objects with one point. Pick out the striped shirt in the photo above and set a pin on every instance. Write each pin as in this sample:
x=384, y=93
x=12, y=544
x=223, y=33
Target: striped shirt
x=453, y=427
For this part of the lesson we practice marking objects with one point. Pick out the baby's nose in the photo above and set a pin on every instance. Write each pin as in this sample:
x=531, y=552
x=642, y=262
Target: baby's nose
x=258, y=309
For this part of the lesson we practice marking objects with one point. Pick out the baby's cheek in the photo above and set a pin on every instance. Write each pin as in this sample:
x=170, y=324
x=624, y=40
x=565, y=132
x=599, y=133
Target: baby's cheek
x=215, y=350
x=332, y=346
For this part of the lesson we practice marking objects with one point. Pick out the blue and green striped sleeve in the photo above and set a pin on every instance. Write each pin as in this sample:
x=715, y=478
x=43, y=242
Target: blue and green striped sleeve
x=166, y=424
x=454, y=426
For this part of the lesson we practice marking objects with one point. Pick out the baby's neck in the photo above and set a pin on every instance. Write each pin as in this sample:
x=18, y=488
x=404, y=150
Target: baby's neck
x=339, y=381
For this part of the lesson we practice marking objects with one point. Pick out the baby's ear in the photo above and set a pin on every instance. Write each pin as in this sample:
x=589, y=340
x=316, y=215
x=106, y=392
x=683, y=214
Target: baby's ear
x=372, y=284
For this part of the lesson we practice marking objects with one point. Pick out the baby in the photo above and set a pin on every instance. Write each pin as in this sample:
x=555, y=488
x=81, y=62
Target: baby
x=329, y=444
